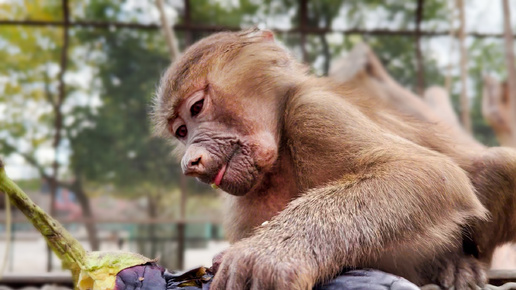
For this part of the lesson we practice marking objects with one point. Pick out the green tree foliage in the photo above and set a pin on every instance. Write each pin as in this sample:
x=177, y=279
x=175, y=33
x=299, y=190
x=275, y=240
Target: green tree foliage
x=38, y=97
x=29, y=67
x=119, y=148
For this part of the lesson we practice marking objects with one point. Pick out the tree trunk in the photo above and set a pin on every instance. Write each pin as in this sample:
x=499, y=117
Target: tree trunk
x=87, y=213
x=464, y=102
x=167, y=30
x=420, y=87
x=326, y=53
x=303, y=20
x=152, y=212
x=52, y=186
x=171, y=40
x=451, y=18
x=509, y=59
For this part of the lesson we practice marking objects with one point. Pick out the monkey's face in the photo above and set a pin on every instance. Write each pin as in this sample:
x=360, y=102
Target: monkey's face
x=222, y=100
x=229, y=143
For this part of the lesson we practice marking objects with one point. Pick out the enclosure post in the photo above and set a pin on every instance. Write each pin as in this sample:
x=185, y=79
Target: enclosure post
x=181, y=244
x=214, y=233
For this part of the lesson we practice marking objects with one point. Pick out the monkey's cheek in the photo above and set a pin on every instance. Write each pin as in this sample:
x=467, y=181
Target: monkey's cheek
x=237, y=182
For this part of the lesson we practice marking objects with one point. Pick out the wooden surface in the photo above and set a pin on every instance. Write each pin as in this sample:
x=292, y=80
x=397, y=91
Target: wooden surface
x=23, y=280
x=500, y=277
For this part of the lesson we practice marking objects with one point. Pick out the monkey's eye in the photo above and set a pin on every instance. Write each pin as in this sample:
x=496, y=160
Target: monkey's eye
x=181, y=131
x=196, y=108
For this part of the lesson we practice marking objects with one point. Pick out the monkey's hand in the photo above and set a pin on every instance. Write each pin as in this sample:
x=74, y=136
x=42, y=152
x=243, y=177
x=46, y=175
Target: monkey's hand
x=260, y=262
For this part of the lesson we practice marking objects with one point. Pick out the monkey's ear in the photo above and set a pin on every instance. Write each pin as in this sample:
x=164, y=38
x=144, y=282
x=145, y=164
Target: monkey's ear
x=259, y=34
x=267, y=35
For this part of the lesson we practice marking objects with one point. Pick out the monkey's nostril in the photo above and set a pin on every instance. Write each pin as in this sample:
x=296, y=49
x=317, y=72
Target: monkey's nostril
x=195, y=162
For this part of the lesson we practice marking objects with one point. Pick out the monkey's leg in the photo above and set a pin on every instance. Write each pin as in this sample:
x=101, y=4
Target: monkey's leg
x=392, y=218
x=494, y=177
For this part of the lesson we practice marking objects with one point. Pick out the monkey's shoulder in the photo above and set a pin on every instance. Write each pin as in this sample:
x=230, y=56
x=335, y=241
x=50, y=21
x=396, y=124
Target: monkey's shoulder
x=316, y=116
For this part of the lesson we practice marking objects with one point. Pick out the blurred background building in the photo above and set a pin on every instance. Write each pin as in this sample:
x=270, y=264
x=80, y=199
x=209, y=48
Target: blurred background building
x=77, y=78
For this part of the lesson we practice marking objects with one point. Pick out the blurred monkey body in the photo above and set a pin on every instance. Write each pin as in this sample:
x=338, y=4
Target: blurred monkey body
x=342, y=182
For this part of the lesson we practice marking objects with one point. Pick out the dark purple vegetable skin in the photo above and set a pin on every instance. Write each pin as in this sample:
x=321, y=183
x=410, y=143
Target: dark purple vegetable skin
x=153, y=277
x=142, y=277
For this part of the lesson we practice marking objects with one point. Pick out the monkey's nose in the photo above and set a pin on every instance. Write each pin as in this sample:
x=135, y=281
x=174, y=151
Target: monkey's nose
x=194, y=161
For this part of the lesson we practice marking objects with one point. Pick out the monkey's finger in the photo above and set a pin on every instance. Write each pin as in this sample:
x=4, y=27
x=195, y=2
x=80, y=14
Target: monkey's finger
x=276, y=276
x=220, y=279
x=217, y=260
x=239, y=277
x=467, y=274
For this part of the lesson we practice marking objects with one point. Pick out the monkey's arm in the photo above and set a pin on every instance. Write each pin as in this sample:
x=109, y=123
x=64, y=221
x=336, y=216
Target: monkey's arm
x=399, y=209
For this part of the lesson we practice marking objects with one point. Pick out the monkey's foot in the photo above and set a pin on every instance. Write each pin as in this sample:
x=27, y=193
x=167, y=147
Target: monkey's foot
x=460, y=272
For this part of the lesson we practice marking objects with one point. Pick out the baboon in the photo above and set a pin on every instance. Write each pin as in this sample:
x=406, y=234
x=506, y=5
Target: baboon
x=320, y=178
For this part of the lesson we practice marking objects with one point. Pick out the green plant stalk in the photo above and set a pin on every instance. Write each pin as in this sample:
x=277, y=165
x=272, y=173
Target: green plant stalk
x=66, y=247
x=8, y=226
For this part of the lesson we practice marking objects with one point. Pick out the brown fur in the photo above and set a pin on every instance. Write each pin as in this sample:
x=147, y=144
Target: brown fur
x=344, y=182
x=491, y=170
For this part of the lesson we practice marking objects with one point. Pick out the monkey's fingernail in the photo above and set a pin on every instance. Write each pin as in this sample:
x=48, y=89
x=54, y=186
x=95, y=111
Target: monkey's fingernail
x=265, y=223
x=214, y=186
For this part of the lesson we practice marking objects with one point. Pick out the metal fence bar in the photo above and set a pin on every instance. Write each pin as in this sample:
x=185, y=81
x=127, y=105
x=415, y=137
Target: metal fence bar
x=216, y=28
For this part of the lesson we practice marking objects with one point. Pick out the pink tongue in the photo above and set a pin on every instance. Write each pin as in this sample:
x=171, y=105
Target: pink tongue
x=220, y=174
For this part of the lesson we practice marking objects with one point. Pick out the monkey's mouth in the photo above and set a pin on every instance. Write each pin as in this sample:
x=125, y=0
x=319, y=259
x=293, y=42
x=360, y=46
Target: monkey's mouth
x=238, y=174
x=219, y=176
x=222, y=171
